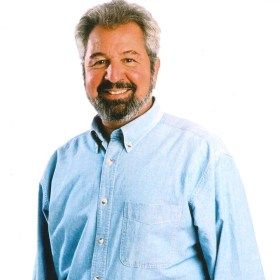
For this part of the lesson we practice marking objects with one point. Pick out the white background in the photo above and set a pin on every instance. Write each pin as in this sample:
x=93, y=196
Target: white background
x=220, y=68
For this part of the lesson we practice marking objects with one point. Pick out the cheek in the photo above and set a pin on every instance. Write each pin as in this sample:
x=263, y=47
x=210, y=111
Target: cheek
x=92, y=81
x=140, y=78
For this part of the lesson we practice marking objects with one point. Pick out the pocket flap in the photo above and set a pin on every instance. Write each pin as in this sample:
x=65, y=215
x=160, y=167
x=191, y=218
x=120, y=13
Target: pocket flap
x=151, y=213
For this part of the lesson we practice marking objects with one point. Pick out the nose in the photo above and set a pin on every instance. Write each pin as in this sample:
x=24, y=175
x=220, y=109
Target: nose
x=114, y=73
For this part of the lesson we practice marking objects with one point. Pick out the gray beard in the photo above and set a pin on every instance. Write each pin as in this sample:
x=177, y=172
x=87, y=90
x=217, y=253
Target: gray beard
x=119, y=110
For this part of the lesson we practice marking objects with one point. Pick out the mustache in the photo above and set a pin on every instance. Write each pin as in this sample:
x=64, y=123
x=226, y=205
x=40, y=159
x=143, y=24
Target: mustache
x=107, y=85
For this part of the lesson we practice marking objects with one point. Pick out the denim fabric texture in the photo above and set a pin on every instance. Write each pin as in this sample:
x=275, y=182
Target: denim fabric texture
x=162, y=199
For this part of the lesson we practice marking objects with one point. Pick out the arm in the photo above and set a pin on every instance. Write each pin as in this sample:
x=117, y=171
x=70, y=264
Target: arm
x=44, y=268
x=223, y=223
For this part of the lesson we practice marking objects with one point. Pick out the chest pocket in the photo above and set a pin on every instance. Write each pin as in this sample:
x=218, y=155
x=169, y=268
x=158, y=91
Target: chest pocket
x=148, y=233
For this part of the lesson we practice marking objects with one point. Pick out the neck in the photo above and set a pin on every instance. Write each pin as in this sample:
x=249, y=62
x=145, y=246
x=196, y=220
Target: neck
x=109, y=126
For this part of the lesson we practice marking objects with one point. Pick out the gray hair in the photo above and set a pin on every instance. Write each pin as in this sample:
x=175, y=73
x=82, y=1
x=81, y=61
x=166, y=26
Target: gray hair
x=115, y=13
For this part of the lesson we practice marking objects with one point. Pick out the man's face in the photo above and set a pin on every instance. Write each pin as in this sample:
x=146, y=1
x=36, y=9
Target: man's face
x=118, y=79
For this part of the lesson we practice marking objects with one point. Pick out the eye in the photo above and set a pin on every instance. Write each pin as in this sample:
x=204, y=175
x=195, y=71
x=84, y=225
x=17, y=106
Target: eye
x=100, y=63
x=129, y=61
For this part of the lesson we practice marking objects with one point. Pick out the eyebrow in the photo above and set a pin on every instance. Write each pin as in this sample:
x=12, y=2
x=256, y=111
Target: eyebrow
x=131, y=52
x=102, y=54
x=93, y=55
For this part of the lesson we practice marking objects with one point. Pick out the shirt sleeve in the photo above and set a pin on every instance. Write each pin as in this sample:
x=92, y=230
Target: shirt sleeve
x=44, y=267
x=223, y=223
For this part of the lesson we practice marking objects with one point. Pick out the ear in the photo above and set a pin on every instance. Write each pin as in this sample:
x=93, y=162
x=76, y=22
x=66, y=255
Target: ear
x=156, y=69
x=157, y=65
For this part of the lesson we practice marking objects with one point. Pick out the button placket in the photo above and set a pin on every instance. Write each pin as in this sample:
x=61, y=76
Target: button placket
x=104, y=209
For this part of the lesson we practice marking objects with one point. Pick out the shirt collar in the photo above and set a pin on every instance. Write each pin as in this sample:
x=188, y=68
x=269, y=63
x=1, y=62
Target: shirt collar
x=130, y=133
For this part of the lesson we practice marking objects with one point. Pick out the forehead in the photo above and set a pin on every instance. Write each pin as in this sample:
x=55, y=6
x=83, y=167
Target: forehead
x=119, y=38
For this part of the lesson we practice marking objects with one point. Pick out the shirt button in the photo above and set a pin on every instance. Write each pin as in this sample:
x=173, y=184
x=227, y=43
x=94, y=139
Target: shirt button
x=101, y=241
x=129, y=145
x=104, y=201
x=97, y=278
x=110, y=162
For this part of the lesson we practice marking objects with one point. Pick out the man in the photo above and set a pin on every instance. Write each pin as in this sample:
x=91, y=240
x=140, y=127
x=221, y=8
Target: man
x=142, y=195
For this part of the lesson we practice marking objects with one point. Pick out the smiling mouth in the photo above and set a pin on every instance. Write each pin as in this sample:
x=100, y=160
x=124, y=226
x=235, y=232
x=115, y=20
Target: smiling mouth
x=112, y=90
x=118, y=91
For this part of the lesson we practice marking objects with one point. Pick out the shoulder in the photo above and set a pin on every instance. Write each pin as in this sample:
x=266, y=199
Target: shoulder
x=63, y=155
x=76, y=144
x=184, y=125
x=193, y=133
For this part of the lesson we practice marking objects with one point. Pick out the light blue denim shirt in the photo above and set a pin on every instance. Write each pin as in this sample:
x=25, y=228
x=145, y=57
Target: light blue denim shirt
x=161, y=200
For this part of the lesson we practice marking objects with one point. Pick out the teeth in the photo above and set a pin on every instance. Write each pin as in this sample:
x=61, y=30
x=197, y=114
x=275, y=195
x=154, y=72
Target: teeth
x=117, y=91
